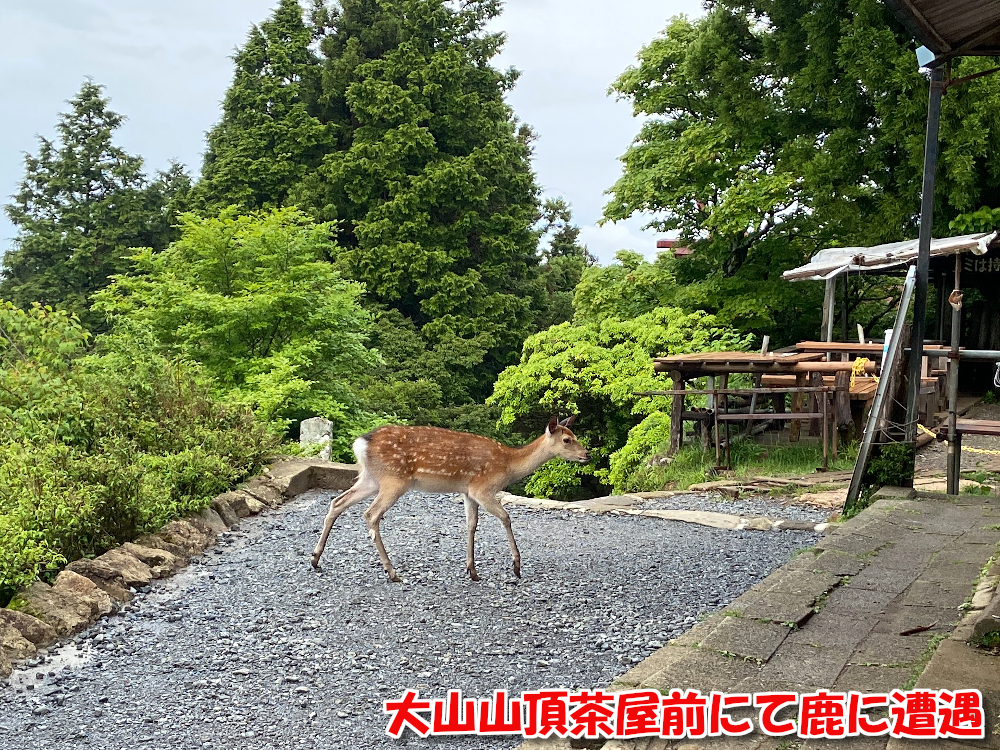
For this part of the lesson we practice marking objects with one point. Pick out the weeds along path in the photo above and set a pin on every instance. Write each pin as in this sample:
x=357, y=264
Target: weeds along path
x=250, y=648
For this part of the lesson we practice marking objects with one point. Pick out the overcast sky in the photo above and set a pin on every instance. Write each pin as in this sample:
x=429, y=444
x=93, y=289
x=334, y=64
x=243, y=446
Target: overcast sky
x=166, y=67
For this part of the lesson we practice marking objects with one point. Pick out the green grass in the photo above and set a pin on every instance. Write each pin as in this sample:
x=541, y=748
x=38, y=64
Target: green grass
x=692, y=465
x=921, y=664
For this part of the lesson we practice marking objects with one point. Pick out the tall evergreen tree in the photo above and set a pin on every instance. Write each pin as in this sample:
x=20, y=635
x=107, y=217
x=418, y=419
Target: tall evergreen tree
x=431, y=180
x=269, y=136
x=82, y=204
x=386, y=117
x=564, y=260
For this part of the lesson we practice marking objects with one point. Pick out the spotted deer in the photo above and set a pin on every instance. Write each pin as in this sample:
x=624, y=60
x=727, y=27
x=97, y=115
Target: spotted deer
x=395, y=459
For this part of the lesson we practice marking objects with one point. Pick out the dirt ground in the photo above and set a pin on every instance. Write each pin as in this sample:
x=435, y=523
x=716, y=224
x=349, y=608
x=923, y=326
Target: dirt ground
x=932, y=459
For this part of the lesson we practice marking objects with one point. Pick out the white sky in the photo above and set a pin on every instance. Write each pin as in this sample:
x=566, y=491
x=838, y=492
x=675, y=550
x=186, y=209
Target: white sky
x=166, y=67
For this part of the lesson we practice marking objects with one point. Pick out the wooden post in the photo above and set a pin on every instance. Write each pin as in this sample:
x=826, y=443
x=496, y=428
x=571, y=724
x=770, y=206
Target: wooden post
x=828, y=306
x=677, y=413
x=826, y=428
x=729, y=439
x=795, y=427
x=815, y=399
x=756, y=385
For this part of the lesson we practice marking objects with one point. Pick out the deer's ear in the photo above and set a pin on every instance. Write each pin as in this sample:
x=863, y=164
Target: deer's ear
x=553, y=423
x=568, y=421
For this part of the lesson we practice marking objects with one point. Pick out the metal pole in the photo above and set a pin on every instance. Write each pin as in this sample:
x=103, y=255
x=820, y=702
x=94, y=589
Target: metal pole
x=954, y=448
x=854, y=491
x=924, y=251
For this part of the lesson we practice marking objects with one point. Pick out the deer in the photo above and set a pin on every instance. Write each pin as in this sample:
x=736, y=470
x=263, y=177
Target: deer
x=394, y=459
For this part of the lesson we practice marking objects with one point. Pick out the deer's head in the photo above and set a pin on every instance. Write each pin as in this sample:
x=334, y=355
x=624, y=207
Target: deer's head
x=563, y=443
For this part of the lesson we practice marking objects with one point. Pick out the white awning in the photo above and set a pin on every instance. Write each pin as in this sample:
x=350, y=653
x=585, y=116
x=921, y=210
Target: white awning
x=834, y=261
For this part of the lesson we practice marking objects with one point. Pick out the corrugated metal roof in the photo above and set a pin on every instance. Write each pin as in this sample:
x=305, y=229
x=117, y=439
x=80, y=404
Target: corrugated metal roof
x=951, y=28
x=836, y=260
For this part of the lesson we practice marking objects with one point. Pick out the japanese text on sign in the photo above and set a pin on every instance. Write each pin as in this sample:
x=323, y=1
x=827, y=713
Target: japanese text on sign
x=913, y=714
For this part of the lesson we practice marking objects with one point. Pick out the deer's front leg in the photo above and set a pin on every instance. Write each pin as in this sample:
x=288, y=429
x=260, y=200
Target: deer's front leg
x=472, y=520
x=491, y=505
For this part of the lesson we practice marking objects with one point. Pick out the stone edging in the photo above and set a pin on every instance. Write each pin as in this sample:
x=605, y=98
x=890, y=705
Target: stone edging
x=87, y=590
x=622, y=505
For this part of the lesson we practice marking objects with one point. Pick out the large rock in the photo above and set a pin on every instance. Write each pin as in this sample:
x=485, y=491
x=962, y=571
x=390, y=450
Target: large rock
x=213, y=521
x=208, y=529
x=187, y=536
x=161, y=562
x=13, y=645
x=38, y=632
x=108, y=579
x=242, y=503
x=291, y=476
x=86, y=590
x=134, y=571
x=266, y=491
x=317, y=430
x=66, y=613
x=155, y=541
x=221, y=506
x=330, y=475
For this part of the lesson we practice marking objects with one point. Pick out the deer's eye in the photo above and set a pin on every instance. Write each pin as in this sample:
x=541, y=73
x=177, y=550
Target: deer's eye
x=565, y=440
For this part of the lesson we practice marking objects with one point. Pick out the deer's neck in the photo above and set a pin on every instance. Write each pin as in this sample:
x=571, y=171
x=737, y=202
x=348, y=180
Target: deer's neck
x=527, y=458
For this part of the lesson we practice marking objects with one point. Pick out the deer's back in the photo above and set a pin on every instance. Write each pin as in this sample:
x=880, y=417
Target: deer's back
x=432, y=457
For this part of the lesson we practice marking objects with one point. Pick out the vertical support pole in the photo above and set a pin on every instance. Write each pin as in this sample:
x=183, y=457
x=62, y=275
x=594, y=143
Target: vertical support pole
x=824, y=397
x=954, y=440
x=795, y=427
x=924, y=251
x=843, y=305
x=829, y=302
x=729, y=439
x=677, y=413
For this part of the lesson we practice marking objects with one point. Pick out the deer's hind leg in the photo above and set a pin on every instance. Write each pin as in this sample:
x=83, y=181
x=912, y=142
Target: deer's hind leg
x=388, y=493
x=472, y=520
x=364, y=487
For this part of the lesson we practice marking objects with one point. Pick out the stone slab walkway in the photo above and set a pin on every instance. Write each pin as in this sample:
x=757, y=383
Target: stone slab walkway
x=834, y=618
x=625, y=505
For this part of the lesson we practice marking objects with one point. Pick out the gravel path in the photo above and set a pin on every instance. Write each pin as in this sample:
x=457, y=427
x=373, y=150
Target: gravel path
x=743, y=506
x=249, y=648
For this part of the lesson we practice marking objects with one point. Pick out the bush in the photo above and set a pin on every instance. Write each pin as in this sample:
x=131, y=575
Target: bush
x=97, y=449
x=595, y=368
x=252, y=300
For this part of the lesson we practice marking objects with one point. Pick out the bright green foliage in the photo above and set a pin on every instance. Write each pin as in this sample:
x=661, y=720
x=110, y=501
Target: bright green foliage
x=269, y=137
x=779, y=127
x=983, y=219
x=594, y=368
x=249, y=298
x=37, y=347
x=97, y=449
x=82, y=204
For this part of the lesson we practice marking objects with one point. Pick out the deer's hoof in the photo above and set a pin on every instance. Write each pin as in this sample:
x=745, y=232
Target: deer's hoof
x=473, y=575
x=314, y=562
x=517, y=569
x=395, y=578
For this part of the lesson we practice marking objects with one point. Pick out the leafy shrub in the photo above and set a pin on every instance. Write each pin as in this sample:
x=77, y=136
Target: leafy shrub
x=252, y=300
x=98, y=448
x=595, y=368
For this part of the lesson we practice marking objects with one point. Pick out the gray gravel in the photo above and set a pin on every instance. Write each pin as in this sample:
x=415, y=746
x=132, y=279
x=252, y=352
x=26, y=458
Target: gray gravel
x=250, y=648
x=772, y=508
